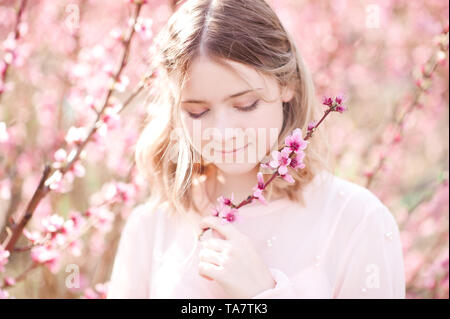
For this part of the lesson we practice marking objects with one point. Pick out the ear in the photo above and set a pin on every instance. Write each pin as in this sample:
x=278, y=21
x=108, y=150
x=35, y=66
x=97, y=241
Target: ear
x=287, y=93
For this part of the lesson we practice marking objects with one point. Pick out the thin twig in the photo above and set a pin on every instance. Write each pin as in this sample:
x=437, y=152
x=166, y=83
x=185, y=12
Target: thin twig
x=42, y=190
x=430, y=67
x=4, y=74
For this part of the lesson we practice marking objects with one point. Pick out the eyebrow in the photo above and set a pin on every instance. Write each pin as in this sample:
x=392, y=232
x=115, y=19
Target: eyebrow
x=227, y=98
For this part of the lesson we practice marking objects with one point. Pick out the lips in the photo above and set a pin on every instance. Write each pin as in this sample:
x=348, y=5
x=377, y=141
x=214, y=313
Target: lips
x=235, y=150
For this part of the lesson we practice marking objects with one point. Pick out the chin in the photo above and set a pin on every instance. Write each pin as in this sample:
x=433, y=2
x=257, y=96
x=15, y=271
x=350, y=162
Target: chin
x=236, y=168
x=237, y=164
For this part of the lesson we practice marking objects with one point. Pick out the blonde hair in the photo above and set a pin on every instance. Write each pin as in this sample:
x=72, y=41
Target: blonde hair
x=244, y=31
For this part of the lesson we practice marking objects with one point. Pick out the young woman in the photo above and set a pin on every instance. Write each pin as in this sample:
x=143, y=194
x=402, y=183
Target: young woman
x=230, y=66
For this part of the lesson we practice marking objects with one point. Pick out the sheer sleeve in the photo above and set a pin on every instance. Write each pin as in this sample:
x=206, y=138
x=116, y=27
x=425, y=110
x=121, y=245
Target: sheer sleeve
x=130, y=276
x=373, y=265
x=284, y=287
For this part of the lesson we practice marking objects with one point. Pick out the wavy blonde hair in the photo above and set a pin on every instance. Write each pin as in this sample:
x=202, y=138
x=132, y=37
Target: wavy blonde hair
x=244, y=31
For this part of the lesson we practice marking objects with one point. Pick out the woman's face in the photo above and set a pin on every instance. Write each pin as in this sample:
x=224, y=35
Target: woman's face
x=226, y=118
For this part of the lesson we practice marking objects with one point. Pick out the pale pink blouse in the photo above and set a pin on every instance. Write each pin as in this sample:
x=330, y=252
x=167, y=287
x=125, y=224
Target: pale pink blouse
x=344, y=244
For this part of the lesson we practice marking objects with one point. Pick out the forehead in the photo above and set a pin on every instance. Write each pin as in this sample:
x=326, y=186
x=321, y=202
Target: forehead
x=209, y=80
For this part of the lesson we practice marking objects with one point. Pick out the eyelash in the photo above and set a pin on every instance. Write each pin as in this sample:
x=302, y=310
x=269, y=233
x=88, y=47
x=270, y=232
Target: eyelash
x=240, y=109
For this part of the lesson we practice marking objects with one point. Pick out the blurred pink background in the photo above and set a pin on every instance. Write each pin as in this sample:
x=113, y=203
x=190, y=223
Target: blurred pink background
x=57, y=66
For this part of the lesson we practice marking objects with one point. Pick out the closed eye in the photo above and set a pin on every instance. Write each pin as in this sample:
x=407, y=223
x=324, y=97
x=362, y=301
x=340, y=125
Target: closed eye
x=249, y=108
x=195, y=115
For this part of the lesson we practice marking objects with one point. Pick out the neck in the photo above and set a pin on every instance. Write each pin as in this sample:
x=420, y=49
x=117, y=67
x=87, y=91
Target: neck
x=241, y=186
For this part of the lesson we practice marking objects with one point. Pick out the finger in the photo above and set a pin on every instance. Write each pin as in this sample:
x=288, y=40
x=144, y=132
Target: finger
x=215, y=244
x=211, y=256
x=208, y=270
x=216, y=234
x=226, y=229
x=206, y=277
x=211, y=233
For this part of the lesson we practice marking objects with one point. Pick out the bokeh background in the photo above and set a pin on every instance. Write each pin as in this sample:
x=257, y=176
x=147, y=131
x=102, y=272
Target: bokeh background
x=74, y=76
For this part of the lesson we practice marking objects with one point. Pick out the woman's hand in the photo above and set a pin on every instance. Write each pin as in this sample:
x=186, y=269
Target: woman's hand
x=233, y=261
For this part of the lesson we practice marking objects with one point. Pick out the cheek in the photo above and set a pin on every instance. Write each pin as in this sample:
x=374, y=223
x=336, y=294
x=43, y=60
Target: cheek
x=273, y=117
x=270, y=120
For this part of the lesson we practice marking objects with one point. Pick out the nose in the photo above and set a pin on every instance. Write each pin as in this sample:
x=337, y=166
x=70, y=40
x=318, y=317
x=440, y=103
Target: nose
x=225, y=129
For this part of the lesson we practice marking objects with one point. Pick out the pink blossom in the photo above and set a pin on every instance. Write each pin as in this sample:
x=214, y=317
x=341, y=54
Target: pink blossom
x=339, y=99
x=295, y=141
x=281, y=160
x=46, y=255
x=60, y=183
x=77, y=219
x=111, y=118
x=339, y=106
x=108, y=69
x=118, y=191
x=144, y=28
x=117, y=34
x=68, y=227
x=103, y=216
x=327, y=101
x=226, y=201
x=100, y=133
x=75, y=247
x=215, y=212
x=90, y=102
x=53, y=223
x=34, y=237
x=79, y=71
x=10, y=47
x=76, y=135
x=341, y=109
x=336, y=104
x=258, y=189
x=231, y=216
x=54, y=181
x=297, y=161
x=288, y=178
x=78, y=169
x=60, y=155
x=225, y=212
x=125, y=192
x=122, y=83
x=9, y=281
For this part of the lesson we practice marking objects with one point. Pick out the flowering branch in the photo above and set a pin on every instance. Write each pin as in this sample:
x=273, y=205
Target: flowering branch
x=290, y=156
x=423, y=84
x=9, y=57
x=44, y=186
x=60, y=235
x=10, y=282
